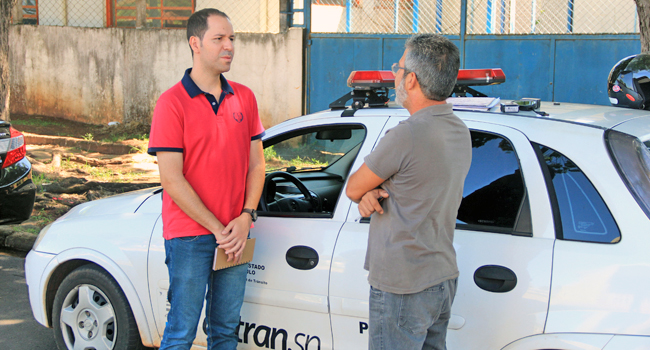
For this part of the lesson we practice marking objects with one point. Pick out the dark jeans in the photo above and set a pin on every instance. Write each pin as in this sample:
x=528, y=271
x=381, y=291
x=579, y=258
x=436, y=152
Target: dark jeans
x=189, y=261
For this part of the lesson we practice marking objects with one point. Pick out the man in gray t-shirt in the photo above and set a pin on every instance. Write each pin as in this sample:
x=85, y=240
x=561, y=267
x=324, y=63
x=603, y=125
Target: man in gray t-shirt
x=412, y=185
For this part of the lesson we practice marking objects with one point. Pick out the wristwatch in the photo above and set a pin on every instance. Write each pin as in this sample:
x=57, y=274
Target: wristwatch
x=252, y=212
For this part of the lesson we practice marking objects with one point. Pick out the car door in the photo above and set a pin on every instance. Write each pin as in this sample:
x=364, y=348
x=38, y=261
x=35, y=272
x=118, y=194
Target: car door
x=504, y=240
x=286, y=304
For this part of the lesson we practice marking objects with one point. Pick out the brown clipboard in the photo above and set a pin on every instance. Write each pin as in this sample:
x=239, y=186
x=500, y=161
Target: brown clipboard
x=221, y=259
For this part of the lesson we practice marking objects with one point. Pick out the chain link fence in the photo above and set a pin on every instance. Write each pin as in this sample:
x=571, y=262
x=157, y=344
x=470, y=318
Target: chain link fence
x=258, y=16
x=483, y=16
x=352, y=16
x=74, y=13
x=552, y=17
x=253, y=16
x=386, y=16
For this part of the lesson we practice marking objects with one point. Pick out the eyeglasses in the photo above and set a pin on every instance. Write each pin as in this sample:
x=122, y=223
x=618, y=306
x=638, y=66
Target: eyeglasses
x=395, y=68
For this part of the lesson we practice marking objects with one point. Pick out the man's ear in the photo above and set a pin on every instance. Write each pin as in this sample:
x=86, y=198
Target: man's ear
x=411, y=81
x=195, y=44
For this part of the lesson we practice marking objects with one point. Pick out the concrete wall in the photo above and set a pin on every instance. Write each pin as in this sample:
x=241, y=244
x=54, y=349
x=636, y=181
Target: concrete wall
x=110, y=74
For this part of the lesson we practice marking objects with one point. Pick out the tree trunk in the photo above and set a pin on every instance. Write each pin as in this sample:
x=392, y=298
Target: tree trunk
x=643, y=9
x=6, y=8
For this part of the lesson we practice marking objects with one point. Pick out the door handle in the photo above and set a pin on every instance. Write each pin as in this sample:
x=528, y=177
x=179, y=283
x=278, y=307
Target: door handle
x=493, y=278
x=302, y=258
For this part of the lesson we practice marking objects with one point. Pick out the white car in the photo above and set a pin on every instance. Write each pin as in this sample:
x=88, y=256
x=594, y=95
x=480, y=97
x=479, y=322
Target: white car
x=552, y=238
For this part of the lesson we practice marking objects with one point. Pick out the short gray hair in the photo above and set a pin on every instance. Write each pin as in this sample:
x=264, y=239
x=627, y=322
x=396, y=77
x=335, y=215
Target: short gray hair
x=435, y=61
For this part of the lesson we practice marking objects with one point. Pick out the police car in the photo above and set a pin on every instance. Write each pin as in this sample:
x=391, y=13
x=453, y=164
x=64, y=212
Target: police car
x=552, y=236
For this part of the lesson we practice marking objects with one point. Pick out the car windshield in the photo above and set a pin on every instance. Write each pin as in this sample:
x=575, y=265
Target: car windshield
x=315, y=150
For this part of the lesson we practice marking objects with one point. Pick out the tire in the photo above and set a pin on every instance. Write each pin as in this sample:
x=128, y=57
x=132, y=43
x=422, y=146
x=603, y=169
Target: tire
x=91, y=312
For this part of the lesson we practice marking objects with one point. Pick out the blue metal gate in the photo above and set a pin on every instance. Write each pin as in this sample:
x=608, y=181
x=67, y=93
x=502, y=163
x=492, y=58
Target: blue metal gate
x=553, y=67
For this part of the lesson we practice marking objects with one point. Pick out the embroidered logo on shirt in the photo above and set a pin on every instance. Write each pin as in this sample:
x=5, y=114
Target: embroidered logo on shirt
x=238, y=116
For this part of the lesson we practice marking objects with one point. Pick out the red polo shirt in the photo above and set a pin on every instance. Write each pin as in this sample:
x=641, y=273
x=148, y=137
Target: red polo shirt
x=215, y=139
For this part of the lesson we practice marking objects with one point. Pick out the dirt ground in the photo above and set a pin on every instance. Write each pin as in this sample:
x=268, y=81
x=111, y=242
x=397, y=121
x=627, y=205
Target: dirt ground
x=78, y=172
x=44, y=125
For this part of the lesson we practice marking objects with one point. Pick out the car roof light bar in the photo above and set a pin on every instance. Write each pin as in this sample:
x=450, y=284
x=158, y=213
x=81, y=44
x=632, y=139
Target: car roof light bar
x=371, y=79
x=371, y=86
x=474, y=77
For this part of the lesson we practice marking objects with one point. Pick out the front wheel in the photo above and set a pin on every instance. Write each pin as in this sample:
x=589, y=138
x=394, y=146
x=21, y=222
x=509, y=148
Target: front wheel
x=91, y=312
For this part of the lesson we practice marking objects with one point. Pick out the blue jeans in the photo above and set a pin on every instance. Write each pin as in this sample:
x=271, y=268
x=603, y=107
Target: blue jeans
x=411, y=321
x=189, y=261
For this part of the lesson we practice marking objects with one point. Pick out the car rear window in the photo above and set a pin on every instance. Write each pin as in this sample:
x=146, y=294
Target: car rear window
x=632, y=160
x=583, y=214
x=494, y=195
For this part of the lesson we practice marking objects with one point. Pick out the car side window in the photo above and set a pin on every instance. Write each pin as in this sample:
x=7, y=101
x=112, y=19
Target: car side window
x=307, y=168
x=494, y=195
x=312, y=149
x=583, y=214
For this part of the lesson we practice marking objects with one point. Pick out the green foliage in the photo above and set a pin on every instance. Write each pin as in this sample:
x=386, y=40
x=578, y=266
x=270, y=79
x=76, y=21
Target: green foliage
x=270, y=154
x=139, y=149
x=126, y=136
x=88, y=137
x=102, y=173
x=35, y=122
x=302, y=156
x=40, y=179
x=28, y=230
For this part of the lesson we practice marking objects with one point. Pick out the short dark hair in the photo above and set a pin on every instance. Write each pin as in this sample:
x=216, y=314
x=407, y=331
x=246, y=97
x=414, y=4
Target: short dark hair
x=435, y=61
x=197, y=24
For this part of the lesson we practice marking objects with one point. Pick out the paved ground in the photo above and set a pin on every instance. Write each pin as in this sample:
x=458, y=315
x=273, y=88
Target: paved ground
x=18, y=328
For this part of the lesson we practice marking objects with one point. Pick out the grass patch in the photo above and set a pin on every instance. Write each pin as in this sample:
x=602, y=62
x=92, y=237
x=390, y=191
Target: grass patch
x=35, y=122
x=102, y=174
x=43, y=218
x=126, y=136
x=33, y=231
x=40, y=179
x=139, y=149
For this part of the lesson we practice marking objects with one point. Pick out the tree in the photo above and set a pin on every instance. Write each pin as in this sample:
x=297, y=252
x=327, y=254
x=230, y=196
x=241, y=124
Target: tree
x=643, y=9
x=6, y=7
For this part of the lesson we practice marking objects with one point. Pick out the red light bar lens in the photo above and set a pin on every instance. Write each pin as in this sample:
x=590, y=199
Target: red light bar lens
x=480, y=76
x=371, y=79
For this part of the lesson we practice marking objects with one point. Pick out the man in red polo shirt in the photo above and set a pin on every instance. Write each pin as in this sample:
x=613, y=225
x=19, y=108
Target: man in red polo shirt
x=211, y=164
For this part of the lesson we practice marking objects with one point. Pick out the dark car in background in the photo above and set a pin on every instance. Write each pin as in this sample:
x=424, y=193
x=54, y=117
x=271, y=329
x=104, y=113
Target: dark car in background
x=17, y=190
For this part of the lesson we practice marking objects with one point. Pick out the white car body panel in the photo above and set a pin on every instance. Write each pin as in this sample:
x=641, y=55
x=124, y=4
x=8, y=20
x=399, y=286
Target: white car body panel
x=562, y=341
x=601, y=288
x=623, y=342
x=638, y=127
x=36, y=282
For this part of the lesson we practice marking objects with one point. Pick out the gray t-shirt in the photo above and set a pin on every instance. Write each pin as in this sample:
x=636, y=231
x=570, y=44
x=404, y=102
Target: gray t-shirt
x=424, y=160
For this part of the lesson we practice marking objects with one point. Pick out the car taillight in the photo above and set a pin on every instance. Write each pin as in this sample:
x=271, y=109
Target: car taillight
x=14, y=147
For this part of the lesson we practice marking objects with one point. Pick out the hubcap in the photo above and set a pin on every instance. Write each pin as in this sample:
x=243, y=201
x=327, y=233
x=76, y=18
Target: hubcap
x=87, y=324
x=88, y=319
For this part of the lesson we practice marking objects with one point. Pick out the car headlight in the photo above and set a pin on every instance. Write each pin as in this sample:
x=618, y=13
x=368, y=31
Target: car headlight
x=40, y=236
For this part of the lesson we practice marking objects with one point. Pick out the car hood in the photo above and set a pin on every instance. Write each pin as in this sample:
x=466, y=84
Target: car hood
x=119, y=204
x=112, y=226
